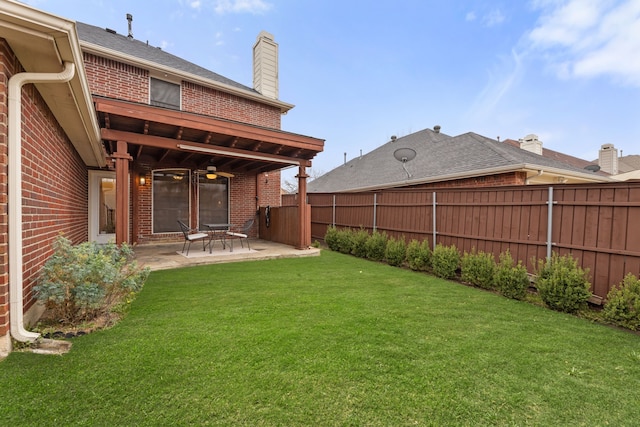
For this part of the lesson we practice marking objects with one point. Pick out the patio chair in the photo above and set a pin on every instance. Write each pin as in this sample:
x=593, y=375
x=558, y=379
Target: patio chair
x=192, y=236
x=242, y=233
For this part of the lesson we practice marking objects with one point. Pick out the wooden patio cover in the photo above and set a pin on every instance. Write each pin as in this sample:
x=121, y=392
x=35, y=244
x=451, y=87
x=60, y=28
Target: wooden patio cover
x=141, y=133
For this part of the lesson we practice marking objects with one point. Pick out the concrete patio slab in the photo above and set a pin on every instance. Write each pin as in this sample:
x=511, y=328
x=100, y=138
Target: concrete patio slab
x=162, y=256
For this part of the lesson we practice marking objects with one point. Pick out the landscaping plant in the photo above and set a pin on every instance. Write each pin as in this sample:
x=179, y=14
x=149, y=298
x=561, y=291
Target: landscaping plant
x=79, y=283
x=419, y=255
x=376, y=246
x=562, y=284
x=511, y=280
x=344, y=241
x=478, y=268
x=331, y=238
x=359, y=243
x=395, y=251
x=445, y=261
x=622, y=306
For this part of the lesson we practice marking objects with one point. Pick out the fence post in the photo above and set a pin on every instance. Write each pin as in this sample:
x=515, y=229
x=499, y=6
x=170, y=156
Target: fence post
x=434, y=220
x=334, y=211
x=549, y=222
x=375, y=205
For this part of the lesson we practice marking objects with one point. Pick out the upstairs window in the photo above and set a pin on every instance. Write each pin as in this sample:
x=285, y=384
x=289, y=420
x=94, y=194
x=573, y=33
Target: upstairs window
x=165, y=94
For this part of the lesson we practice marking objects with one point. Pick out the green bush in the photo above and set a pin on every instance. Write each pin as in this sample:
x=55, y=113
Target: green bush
x=395, y=251
x=622, y=305
x=445, y=261
x=376, y=245
x=511, y=280
x=79, y=283
x=359, y=243
x=562, y=284
x=331, y=238
x=344, y=241
x=419, y=255
x=478, y=268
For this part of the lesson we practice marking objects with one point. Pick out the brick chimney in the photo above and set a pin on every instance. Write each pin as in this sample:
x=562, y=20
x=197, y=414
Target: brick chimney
x=608, y=159
x=265, y=65
x=531, y=143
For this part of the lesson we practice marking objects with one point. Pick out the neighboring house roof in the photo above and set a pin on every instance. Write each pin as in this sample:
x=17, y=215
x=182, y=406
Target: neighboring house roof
x=627, y=176
x=102, y=41
x=562, y=157
x=629, y=163
x=440, y=157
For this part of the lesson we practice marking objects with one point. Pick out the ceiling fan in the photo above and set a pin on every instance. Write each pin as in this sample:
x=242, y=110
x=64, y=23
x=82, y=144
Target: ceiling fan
x=212, y=173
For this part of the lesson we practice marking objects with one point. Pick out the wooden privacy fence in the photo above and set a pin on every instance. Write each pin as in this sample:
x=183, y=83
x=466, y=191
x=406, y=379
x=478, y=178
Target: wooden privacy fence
x=283, y=224
x=599, y=224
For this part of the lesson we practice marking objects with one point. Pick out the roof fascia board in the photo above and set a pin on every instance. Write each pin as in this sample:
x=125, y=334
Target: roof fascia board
x=157, y=68
x=490, y=171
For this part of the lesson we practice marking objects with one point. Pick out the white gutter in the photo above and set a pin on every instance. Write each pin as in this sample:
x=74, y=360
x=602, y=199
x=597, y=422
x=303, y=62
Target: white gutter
x=528, y=180
x=16, y=82
x=523, y=167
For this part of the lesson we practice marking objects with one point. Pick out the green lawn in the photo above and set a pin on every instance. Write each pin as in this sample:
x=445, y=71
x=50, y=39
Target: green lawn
x=331, y=340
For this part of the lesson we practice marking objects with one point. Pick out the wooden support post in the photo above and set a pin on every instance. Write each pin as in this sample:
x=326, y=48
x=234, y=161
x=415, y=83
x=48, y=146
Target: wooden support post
x=122, y=159
x=304, y=221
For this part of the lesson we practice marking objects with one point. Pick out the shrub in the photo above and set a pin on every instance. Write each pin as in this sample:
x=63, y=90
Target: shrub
x=359, y=243
x=511, y=280
x=478, y=268
x=331, y=238
x=376, y=245
x=445, y=261
x=395, y=251
x=419, y=255
x=79, y=283
x=344, y=242
x=622, y=306
x=562, y=284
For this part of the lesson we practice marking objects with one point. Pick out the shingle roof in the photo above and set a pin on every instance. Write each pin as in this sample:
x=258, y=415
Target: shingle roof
x=129, y=46
x=629, y=163
x=439, y=156
x=562, y=157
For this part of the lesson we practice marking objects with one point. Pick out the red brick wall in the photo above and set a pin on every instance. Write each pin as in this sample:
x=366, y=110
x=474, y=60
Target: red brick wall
x=510, y=178
x=7, y=61
x=54, y=186
x=116, y=80
x=210, y=102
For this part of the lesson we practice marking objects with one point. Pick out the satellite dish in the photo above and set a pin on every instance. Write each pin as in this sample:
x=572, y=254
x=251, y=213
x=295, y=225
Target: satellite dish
x=592, y=168
x=405, y=155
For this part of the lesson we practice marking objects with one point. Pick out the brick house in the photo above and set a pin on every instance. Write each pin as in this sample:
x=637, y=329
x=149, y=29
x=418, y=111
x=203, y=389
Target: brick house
x=103, y=137
x=430, y=158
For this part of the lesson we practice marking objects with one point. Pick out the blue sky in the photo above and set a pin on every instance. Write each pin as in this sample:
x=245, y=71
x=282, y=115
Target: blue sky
x=361, y=71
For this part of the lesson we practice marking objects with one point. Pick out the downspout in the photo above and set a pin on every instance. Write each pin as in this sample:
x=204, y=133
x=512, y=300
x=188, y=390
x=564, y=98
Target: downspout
x=528, y=180
x=14, y=190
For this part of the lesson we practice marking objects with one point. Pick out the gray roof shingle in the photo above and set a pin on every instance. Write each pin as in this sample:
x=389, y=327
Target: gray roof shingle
x=438, y=156
x=120, y=43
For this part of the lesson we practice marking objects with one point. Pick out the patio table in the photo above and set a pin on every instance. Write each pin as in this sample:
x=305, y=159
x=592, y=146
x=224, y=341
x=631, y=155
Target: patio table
x=217, y=231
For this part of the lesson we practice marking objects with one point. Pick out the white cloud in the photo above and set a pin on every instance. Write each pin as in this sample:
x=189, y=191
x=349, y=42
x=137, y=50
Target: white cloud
x=195, y=4
x=471, y=16
x=241, y=6
x=591, y=38
x=502, y=78
x=495, y=17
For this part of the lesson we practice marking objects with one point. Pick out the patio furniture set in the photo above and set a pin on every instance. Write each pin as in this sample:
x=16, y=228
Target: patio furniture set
x=225, y=233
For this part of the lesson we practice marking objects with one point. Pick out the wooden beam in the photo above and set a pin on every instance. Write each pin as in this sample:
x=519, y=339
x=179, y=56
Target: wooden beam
x=172, y=144
x=209, y=124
